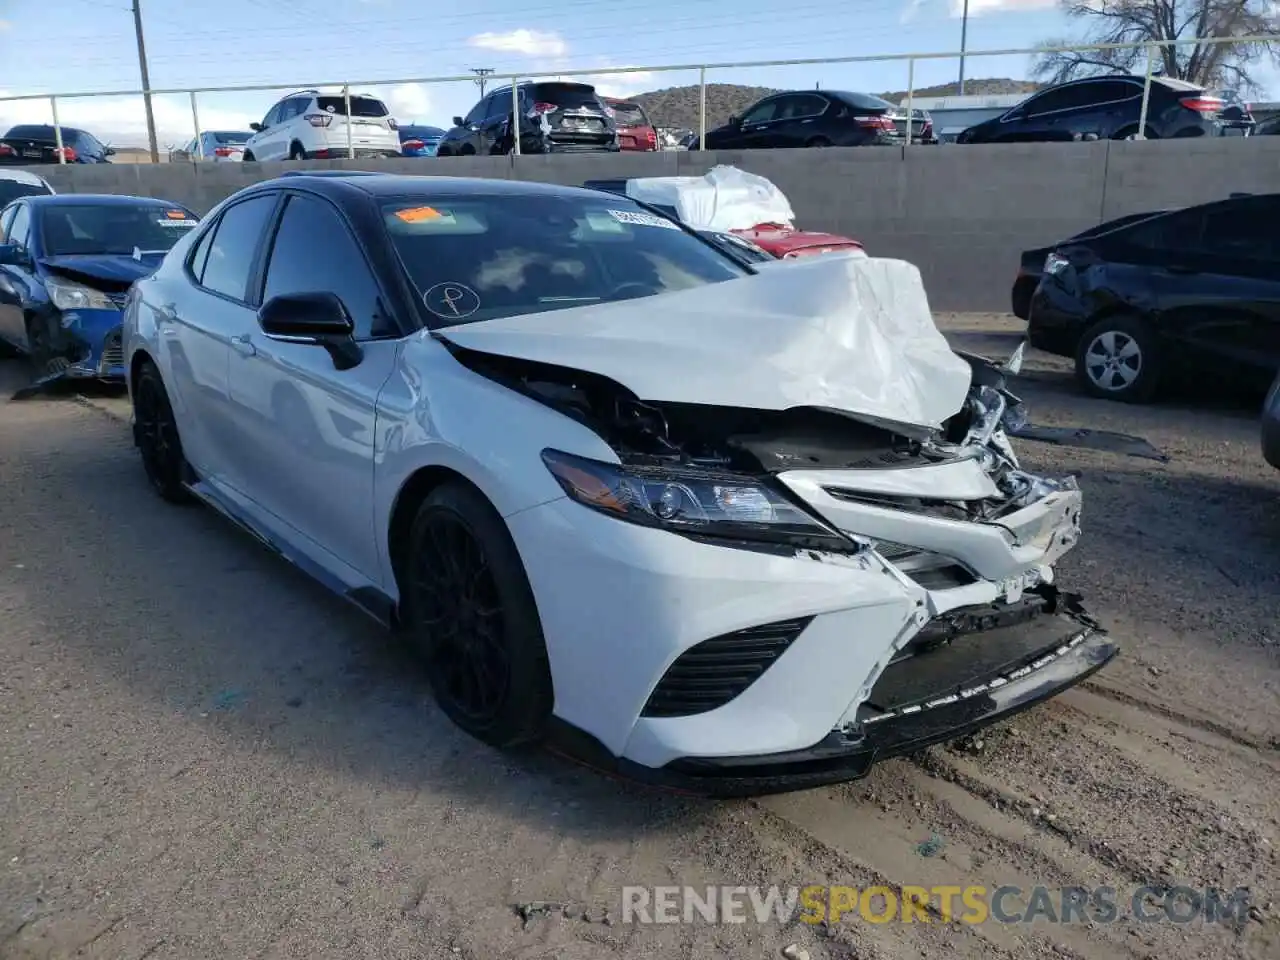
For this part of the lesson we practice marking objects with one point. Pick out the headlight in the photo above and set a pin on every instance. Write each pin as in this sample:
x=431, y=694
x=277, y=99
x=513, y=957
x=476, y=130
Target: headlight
x=1054, y=263
x=692, y=503
x=68, y=295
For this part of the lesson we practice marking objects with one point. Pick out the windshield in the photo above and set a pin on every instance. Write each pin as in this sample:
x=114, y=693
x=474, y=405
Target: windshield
x=481, y=257
x=13, y=189
x=69, y=229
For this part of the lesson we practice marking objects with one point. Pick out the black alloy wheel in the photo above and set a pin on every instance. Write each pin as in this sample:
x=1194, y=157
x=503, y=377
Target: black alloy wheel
x=156, y=433
x=471, y=614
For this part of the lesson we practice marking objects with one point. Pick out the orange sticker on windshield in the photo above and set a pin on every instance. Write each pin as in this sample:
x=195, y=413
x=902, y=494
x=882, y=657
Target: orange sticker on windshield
x=419, y=214
x=175, y=214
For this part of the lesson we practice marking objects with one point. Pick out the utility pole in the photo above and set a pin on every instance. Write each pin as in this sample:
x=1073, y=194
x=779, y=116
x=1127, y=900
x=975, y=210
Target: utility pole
x=964, y=38
x=482, y=77
x=146, y=83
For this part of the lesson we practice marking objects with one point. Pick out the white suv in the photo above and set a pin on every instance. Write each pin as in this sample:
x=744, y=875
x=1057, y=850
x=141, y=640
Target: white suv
x=310, y=125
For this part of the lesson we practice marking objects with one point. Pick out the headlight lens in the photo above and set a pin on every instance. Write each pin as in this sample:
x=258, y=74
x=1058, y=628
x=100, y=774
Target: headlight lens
x=692, y=503
x=68, y=295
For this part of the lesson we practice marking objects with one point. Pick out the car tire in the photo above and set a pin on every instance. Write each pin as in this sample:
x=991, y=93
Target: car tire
x=818, y=142
x=296, y=152
x=155, y=432
x=444, y=152
x=467, y=150
x=39, y=345
x=470, y=613
x=1131, y=133
x=248, y=157
x=1118, y=358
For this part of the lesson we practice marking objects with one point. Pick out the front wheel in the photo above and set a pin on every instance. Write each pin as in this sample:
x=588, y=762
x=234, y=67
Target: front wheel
x=156, y=434
x=1118, y=359
x=470, y=612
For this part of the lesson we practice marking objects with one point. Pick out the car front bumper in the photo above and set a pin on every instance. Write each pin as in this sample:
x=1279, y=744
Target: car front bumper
x=621, y=605
x=1055, y=319
x=94, y=344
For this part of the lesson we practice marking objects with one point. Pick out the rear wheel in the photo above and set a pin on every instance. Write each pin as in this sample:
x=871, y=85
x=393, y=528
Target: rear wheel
x=297, y=153
x=248, y=157
x=156, y=434
x=1118, y=359
x=818, y=142
x=470, y=612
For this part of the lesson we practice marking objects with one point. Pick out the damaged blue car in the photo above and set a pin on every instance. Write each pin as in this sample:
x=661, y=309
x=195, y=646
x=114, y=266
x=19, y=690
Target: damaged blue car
x=66, y=265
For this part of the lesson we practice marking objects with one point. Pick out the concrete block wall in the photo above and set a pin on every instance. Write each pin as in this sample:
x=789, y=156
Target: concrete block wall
x=962, y=213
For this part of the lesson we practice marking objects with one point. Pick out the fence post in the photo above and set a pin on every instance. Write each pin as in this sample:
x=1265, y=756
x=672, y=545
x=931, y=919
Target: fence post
x=346, y=98
x=911, y=95
x=195, y=119
x=515, y=117
x=57, y=130
x=702, y=108
x=1146, y=93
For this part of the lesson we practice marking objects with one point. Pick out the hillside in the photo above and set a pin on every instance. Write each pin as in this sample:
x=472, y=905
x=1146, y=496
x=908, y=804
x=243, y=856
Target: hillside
x=677, y=107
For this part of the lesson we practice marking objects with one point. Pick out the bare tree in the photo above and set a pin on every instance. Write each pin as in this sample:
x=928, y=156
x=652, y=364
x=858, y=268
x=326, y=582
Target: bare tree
x=1221, y=65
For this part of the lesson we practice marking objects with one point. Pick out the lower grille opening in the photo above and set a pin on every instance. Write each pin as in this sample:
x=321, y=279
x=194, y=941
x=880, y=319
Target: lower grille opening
x=113, y=349
x=713, y=672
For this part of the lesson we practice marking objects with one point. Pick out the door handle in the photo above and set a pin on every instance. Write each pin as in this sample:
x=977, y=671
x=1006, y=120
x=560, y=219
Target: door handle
x=244, y=346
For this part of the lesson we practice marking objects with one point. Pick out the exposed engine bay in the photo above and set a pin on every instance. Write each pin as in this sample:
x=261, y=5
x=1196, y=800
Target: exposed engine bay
x=735, y=440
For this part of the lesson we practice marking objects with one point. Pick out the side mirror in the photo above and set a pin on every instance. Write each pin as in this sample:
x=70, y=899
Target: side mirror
x=256, y=127
x=109, y=152
x=319, y=319
x=12, y=255
x=457, y=122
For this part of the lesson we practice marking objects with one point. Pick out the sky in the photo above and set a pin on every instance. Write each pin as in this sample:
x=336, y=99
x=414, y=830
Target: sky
x=388, y=47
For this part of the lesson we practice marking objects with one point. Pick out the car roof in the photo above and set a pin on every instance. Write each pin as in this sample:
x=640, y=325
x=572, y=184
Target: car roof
x=398, y=185
x=97, y=200
x=23, y=176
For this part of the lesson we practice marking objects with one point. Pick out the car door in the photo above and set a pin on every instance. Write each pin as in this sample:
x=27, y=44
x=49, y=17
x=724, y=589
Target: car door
x=1215, y=283
x=1112, y=106
x=1045, y=117
x=305, y=428
x=221, y=263
x=756, y=126
x=12, y=290
x=17, y=281
x=263, y=143
x=497, y=113
x=796, y=121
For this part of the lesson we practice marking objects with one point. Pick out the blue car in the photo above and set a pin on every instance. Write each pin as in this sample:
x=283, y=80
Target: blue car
x=416, y=141
x=66, y=265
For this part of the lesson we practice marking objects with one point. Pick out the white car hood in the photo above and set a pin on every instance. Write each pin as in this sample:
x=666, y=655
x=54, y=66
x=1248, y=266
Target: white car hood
x=848, y=334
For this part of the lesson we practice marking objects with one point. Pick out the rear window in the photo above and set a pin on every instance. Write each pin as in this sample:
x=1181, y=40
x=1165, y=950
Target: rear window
x=69, y=229
x=232, y=138
x=476, y=258
x=360, y=106
x=629, y=114
x=420, y=133
x=864, y=101
x=38, y=131
x=566, y=94
x=13, y=189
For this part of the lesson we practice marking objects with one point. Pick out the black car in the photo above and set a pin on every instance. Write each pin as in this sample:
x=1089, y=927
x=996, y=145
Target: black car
x=32, y=143
x=1189, y=291
x=1237, y=115
x=555, y=117
x=1104, y=108
x=809, y=118
x=1031, y=265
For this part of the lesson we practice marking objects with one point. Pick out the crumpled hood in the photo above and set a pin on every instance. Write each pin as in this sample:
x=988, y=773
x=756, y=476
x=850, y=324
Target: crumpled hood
x=847, y=334
x=119, y=268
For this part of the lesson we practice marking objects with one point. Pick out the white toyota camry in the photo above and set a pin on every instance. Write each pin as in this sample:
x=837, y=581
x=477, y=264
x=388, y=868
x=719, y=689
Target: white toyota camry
x=717, y=529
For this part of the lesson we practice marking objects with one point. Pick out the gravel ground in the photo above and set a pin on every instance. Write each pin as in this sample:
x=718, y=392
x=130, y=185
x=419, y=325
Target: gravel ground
x=205, y=755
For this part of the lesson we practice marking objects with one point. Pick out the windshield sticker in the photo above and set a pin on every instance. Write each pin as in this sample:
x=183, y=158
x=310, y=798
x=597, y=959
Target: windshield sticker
x=453, y=301
x=423, y=214
x=176, y=223
x=642, y=219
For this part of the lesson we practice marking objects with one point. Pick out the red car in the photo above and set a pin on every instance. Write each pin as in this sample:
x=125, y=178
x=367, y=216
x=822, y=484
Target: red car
x=787, y=243
x=635, y=132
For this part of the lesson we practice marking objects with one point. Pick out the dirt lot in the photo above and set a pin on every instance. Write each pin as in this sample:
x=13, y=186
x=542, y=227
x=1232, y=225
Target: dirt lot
x=204, y=755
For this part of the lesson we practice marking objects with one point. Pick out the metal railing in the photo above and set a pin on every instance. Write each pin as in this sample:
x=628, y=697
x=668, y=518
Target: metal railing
x=1152, y=48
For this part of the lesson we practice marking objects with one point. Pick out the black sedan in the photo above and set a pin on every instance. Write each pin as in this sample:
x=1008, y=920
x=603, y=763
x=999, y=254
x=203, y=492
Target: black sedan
x=809, y=118
x=1031, y=265
x=1193, y=291
x=32, y=143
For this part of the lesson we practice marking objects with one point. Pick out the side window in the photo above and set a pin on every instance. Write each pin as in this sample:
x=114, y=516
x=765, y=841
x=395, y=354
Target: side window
x=294, y=108
x=498, y=104
x=201, y=253
x=1108, y=91
x=6, y=219
x=235, y=242
x=762, y=112
x=1061, y=98
x=20, y=229
x=314, y=250
x=477, y=113
x=1241, y=231
x=273, y=116
x=799, y=105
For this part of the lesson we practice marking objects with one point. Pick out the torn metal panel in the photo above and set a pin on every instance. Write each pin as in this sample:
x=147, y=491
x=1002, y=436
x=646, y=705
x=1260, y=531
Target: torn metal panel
x=1089, y=439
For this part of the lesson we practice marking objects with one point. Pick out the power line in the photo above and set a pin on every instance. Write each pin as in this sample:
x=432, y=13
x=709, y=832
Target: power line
x=482, y=77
